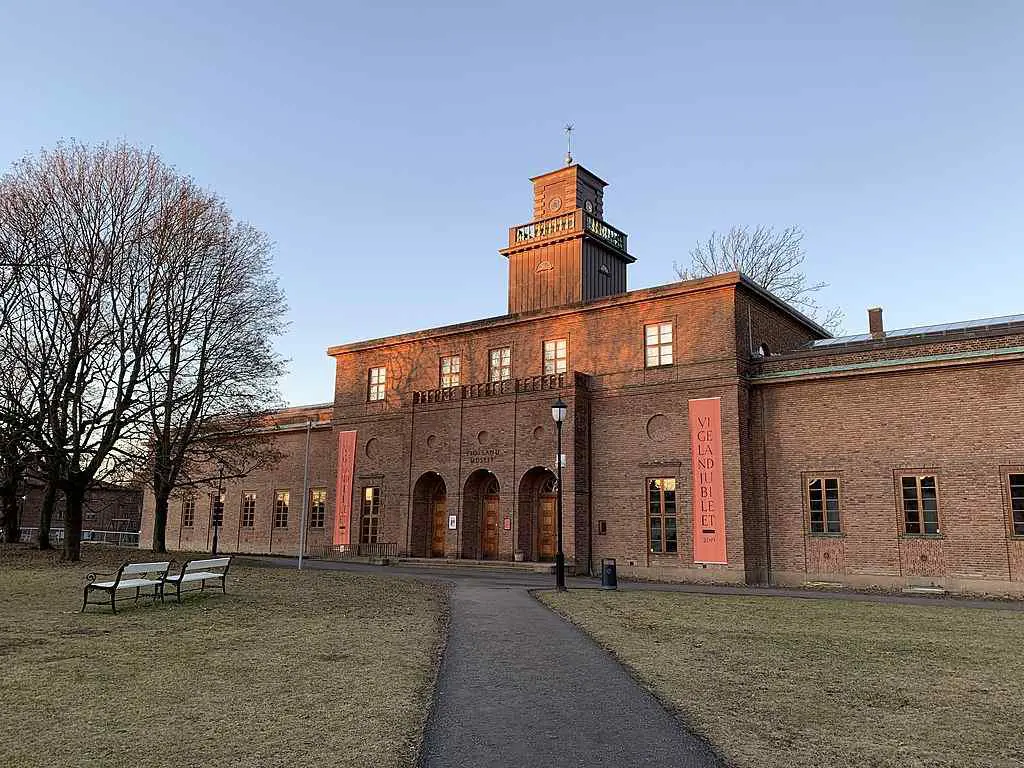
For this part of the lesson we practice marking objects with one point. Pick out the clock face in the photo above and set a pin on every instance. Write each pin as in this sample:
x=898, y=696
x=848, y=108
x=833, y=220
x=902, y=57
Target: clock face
x=589, y=206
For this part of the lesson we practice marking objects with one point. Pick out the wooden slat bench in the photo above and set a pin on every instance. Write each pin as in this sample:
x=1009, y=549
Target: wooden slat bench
x=137, y=576
x=211, y=569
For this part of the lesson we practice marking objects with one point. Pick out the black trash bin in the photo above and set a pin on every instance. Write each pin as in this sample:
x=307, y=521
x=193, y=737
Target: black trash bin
x=608, y=578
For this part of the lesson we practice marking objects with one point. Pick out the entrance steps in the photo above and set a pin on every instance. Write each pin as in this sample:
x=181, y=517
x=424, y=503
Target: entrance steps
x=485, y=565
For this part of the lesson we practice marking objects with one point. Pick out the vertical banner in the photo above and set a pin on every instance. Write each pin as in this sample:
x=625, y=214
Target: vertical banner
x=708, y=483
x=343, y=495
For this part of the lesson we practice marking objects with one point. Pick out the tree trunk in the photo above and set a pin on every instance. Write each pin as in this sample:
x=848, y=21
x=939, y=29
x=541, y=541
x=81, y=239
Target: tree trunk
x=162, y=494
x=74, y=496
x=46, y=515
x=9, y=512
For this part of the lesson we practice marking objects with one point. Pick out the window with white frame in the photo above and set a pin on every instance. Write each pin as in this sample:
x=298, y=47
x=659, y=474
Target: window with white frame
x=556, y=356
x=657, y=344
x=501, y=364
x=376, y=384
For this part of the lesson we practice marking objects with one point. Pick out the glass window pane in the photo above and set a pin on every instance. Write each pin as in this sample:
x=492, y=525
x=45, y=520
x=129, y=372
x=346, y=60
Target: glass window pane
x=656, y=534
x=669, y=483
x=670, y=535
x=929, y=499
x=832, y=492
x=833, y=521
x=653, y=493
x=817, y=521
x=814, y=496
x=666, y=332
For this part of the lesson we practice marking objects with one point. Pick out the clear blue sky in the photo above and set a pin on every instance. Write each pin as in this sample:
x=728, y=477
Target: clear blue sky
x=386, y=148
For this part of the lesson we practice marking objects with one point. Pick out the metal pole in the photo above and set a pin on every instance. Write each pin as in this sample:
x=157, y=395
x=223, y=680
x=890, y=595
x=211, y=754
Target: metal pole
x=560, y=557
x=218, y=505
x=305, y=496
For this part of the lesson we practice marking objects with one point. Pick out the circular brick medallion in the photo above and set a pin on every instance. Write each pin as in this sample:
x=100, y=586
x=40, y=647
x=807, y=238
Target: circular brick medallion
x=658, y=427
x=485, y=438
x=538, y=433
x=373, y=448
x=432, y=441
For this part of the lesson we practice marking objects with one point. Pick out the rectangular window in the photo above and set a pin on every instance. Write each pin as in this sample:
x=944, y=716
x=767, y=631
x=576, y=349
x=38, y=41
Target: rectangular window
x=317, y=507
x=369, y=529
x=823, y=504
x=188, y=512
x=556, y=356
x=217, y=509
x=377, y=382
x=1017, y=503
x=658, y=344
x=501, y=364
x=451, y=371
x=248, y=509
x=920, y=504
x=281, y=499
x=661, y=513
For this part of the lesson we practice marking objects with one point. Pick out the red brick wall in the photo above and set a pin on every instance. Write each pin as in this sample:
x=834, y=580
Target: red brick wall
x=262, y=537
x=637, y=423
x=962, y=422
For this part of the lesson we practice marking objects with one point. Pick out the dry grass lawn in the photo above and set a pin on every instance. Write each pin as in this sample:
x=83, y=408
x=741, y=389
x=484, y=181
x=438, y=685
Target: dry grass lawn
x=287, y=669
x=791, y=683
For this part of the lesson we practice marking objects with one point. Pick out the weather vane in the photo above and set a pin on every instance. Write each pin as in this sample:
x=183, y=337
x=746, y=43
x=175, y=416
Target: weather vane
x=568, y=138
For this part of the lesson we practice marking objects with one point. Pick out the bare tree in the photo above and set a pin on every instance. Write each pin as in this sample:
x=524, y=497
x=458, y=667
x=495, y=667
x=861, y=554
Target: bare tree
x=214, y=372
x=772, y=259
x=137, y=326
x=86, y=309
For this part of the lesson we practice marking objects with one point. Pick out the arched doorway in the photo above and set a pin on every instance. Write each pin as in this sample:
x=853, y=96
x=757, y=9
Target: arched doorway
x=429, y=516
x=536, y=534
x=481, y=510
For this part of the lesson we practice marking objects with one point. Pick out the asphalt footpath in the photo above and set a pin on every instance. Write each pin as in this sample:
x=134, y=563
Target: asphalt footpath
x=518, y=686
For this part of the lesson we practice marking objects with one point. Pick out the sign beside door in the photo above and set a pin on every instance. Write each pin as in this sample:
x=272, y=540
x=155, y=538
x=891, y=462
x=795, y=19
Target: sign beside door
x=453, y=522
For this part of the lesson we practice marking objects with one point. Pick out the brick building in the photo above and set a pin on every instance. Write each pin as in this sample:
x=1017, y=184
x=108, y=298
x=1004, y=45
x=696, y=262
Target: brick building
x=111, y=513
x=713, y=432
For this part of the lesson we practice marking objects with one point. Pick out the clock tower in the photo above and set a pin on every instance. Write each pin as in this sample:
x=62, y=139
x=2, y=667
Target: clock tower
x=567, y=253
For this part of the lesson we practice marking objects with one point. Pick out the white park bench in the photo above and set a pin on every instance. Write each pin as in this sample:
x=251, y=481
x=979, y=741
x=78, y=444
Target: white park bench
x=202, y=571
x=137, y=576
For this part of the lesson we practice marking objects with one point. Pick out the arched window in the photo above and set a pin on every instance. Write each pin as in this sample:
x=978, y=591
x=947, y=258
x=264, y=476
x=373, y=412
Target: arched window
x=491, y=489
x=550, y=484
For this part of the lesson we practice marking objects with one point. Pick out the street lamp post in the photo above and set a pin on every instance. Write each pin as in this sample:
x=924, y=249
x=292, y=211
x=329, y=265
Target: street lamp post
x=218, y=507
x=558, y=411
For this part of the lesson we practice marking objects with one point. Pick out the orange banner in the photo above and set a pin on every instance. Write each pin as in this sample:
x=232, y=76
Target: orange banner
x=708, y=484
x=346, y=470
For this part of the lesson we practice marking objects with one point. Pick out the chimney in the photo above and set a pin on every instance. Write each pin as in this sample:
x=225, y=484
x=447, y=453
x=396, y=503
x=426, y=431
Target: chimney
x=875, y=323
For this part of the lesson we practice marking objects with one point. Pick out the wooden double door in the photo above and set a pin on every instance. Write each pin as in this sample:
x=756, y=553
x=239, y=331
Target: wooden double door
x=440, y=528
x=489, y=528
x=546, y=534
